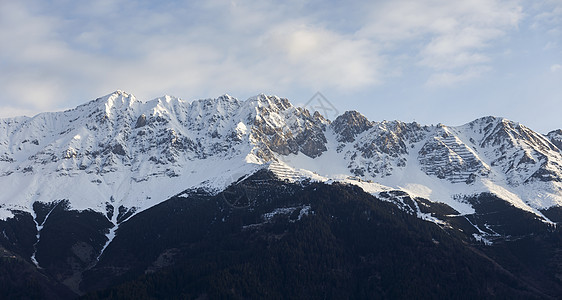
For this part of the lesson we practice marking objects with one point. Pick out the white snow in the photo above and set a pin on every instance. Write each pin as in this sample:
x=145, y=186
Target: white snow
x=5, y=214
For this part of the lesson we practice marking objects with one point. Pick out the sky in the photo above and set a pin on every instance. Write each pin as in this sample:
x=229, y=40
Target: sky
x=429, y=61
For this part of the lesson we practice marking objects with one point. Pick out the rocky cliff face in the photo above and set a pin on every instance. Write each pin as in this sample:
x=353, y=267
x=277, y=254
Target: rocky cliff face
x=376, y=149
x=280, y=128
x=349, y=125
x=555, y=137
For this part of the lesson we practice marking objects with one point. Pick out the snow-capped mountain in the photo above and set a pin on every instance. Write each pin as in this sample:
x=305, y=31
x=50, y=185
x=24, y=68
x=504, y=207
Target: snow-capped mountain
x=116, y=188
x=440, y=162
x=123, y=152
x=119, y=152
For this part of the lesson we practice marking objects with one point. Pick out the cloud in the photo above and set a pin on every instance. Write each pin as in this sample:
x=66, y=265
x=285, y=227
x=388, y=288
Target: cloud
x=555, y=68
x=443, y=35
x=64, y=49
x=26, y=48
x=547, y=15
x=445, y=79
x=551, y=46
x=322, y=58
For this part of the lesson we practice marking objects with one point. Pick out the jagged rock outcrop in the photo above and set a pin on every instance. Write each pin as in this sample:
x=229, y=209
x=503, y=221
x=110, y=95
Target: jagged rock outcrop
x=349, y=125
x=281, y=128
x=555, y=137
x=448, y=157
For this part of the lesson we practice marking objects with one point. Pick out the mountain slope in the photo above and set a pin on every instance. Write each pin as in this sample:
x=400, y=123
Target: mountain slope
x=309, y=240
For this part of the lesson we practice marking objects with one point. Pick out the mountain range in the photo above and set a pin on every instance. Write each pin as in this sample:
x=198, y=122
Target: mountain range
x=83, y=187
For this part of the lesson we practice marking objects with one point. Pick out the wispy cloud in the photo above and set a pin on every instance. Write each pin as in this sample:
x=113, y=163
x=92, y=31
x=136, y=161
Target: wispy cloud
x=453, y=78
x=65, y=48
x=444, y=35
x=548, y=15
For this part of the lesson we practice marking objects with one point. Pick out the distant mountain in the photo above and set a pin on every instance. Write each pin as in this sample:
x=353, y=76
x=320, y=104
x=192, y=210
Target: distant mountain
x=74, y=182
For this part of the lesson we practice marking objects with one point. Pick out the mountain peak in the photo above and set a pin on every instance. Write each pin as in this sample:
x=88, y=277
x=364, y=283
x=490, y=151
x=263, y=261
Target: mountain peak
x=109, y=102
x=226, y=97
x=118, y=94
x=273, y=102
x=484, y=121
x=349, y=125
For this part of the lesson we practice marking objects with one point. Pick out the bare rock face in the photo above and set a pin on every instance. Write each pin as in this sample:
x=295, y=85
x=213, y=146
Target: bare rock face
x=375, y=149
x=555, y=138
x=515, y=152
x=283, y=129
x=312, y=141
x=520, y=153
x=448, y=157
x=349, y=125
x=141, y=121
